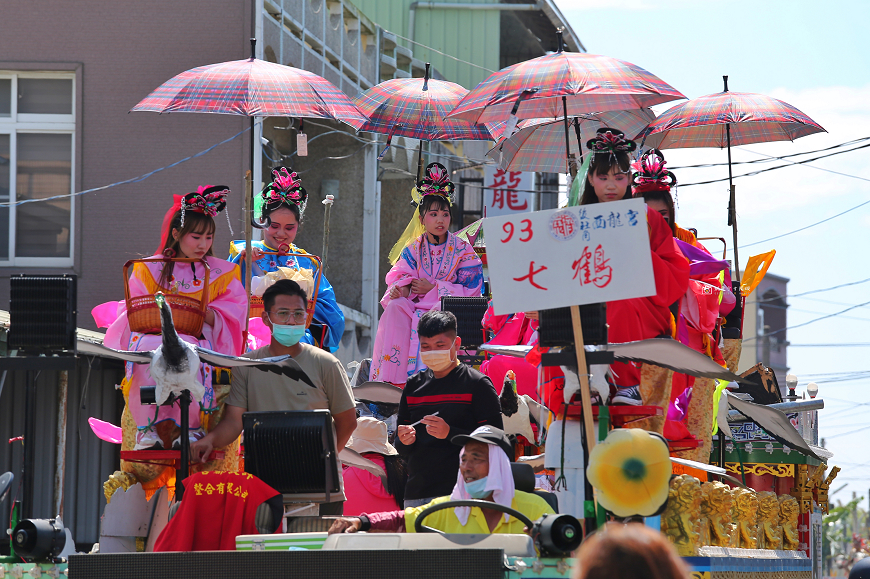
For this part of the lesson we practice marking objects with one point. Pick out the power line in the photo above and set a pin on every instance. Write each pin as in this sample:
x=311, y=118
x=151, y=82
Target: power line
x=846, y=433
x=811, y=321
x=852, y=345
x=770, y=158
x=441, y=53
x=138, y=179
x=751, y=173
x=815, y=291
x=807, y=227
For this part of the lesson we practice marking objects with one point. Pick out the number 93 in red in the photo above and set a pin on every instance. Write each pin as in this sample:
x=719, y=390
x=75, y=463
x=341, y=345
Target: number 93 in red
x=526, y=232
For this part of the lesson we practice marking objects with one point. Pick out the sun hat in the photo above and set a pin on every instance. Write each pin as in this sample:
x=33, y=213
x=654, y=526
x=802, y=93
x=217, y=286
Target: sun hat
x=370, y=436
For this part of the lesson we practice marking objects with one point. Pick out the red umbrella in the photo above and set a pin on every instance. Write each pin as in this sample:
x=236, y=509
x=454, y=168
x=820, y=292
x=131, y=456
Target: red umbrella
x=543, y=87
x=539, y=144
x=416, y=108
x=252, y=88
x=563, y=84
x=724, y=119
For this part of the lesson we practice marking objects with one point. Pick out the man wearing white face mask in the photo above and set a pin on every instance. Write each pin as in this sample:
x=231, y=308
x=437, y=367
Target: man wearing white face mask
x=445, y=400
x=285, y=315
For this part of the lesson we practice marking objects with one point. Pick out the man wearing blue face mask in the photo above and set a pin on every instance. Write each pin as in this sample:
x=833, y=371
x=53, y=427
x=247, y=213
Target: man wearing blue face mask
x=485, y=474
x=285, y=314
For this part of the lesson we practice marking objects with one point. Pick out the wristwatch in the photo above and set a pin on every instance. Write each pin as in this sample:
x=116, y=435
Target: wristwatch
x=364, y=523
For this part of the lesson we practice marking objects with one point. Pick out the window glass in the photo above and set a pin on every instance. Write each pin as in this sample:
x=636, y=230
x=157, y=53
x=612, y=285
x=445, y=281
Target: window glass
x=43, y=170
x=5, y=97
x=45, y=96
x=5, y=171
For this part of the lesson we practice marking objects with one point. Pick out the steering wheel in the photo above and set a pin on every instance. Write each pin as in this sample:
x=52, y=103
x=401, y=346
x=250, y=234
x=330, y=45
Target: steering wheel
x=419, y=527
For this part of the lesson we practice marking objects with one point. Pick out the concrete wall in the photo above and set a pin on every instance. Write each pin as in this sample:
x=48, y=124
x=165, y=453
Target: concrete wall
x=121, y=51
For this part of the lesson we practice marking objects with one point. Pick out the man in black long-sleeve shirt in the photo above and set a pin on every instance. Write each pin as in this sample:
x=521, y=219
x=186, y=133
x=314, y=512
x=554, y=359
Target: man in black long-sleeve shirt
x=462, y=398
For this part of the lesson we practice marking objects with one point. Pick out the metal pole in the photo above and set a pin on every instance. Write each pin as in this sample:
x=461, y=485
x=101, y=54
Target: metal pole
x=182, y=472
x=567, y=140
x=29, y=446
x=249, y=214
x=732, y=204
x=60, y=461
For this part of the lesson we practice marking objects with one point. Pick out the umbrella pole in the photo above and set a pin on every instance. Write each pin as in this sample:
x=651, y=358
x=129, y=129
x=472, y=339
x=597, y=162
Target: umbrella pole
x=419, y=162
x=567, y=140
x=732, y=203
x=249, y=230
x=732, y=209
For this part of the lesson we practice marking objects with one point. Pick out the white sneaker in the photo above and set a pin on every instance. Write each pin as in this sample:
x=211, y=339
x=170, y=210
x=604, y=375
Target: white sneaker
x=194, y=435
x=148, y=440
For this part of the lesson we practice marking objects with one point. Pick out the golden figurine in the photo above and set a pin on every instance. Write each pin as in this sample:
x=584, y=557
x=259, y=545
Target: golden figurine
x=769, y=531
x=788, y=520
x=118, y=480
x=680, y=521
x=717, y=502
x=824, y=487
x=801, y=490
x=745, y=515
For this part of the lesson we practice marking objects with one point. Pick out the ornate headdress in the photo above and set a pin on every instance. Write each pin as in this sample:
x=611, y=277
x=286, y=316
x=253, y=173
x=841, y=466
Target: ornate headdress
x=610, y=141
x=285, y=189
x=651, y=174
x=208, y=200
x=436, y=181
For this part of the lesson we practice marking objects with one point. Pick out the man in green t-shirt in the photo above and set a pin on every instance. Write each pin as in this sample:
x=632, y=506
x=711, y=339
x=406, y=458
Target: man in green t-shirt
x=285, y=315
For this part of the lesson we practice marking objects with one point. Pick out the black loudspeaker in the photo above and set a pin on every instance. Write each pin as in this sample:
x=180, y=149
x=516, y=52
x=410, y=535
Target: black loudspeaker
x=557, y=535
x=292, y=451
x=469, y=317
x=42, y=313
x=38, y=539
x=556, y=329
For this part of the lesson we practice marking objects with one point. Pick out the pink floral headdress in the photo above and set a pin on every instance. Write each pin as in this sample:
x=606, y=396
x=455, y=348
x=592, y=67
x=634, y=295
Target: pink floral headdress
x=285, y=189
x=610, y=141
x=651, y=174
x=436, y=181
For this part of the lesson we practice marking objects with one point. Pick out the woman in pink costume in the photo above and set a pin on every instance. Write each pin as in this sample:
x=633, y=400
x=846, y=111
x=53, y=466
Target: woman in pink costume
x=188, y=231
x=432, y=264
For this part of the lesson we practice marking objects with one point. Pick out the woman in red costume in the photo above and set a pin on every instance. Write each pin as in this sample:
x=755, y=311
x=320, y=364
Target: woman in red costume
x=706, y=301
x=639, y=318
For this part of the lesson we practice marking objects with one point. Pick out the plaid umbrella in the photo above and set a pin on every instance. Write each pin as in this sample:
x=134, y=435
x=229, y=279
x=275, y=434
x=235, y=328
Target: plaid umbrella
x=724, y=119
x=539, y=144
x=565, y=84
x=415, y=108
x=535, y=88
x=252, y=88
x=752, y=118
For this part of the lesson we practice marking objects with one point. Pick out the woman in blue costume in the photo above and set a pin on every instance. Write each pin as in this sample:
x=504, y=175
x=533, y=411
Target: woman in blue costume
x=284, y=201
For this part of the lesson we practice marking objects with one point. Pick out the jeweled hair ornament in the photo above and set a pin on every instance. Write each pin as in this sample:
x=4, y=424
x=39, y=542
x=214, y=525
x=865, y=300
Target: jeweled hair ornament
x=208, y=200
x=436, y=181
x=610, y=141
x=285, y=189
x=651, y=174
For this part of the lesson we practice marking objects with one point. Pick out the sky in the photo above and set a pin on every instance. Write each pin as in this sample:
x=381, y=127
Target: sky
x=810, y=55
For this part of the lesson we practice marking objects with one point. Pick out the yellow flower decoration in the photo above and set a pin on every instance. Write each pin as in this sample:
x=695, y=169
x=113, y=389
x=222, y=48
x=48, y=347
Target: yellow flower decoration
x=630, y=470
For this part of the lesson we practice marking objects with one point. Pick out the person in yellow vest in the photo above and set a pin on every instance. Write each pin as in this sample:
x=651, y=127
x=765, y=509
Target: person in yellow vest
x=485, y=474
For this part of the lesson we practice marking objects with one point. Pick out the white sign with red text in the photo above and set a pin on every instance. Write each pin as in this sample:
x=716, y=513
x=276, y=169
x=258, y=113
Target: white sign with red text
x=566, y=257
x=507, y=192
